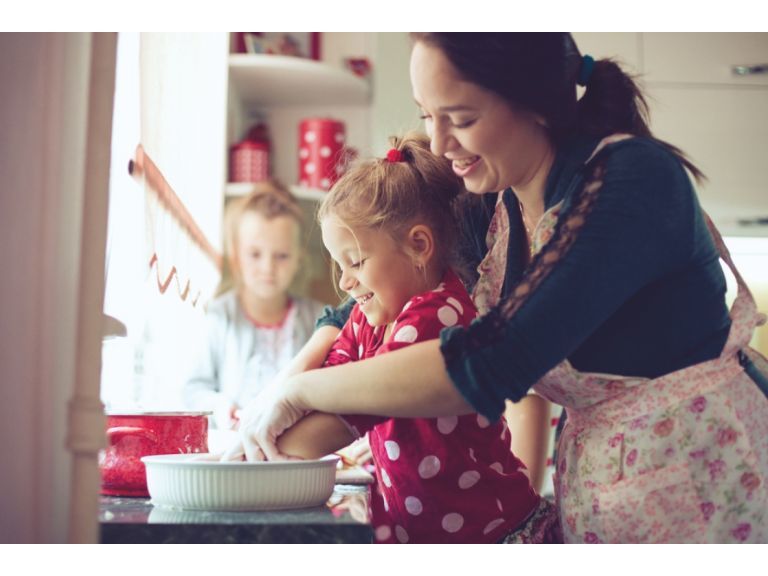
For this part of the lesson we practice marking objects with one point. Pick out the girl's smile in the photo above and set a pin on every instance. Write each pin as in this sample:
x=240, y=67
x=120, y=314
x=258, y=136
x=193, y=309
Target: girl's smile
x=375, y=270
x=363, y=300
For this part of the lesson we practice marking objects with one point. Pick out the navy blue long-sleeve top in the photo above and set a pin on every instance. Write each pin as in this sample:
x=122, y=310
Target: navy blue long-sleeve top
x=638, y=292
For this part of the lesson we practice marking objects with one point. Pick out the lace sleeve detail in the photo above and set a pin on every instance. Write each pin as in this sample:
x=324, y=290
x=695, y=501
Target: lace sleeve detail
x=490, y=327
x=566, y=231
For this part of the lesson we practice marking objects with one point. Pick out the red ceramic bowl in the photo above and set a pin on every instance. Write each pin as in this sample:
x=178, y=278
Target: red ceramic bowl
x=133, y=435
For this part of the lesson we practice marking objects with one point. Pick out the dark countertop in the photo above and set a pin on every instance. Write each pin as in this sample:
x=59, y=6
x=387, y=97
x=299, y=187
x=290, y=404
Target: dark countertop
x=344, y=519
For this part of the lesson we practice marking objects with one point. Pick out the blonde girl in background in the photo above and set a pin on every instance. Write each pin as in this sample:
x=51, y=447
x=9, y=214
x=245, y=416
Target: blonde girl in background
x=390, y=229
x=256, y=326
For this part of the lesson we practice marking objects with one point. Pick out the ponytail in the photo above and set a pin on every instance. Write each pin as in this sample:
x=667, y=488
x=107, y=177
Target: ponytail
x=614, y=103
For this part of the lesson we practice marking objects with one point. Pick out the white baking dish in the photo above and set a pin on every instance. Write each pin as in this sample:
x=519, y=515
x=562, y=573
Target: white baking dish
x=186, y=481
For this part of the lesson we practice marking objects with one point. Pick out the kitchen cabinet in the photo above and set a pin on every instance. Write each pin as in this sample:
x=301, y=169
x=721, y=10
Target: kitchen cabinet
x=281, y=91
x=705, y=58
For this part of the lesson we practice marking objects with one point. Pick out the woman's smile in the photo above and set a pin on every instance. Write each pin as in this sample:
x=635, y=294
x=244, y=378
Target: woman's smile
x=501, y=146
x=462, y=167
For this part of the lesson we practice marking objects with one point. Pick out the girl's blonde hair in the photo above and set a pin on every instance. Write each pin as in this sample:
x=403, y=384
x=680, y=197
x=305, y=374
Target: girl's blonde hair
x=393, y=196
x=271, y=199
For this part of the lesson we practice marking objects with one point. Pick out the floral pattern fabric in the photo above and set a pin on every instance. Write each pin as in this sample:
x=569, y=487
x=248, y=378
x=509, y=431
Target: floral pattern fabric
x=493, y=267
x=680, y=458
x=543, y=527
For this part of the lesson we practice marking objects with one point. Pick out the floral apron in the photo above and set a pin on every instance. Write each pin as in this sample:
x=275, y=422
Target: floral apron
x=679, y=458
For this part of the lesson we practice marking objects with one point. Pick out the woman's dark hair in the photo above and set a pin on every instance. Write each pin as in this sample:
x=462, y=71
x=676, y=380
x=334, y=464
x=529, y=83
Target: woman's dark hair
x=538, y=71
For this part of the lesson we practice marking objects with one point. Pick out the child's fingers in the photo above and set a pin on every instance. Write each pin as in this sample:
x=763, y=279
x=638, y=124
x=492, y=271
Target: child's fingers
x=270, y=452
x=234, y=453
x=253, y=452
x=206, y=457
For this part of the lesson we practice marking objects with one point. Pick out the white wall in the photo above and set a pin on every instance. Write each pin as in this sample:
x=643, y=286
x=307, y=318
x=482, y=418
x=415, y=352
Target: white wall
x=394, y=110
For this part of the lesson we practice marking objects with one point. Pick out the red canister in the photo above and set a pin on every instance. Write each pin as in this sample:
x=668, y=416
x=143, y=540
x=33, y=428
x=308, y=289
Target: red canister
x=133, y=435
x=321, y=152
x=249, y=161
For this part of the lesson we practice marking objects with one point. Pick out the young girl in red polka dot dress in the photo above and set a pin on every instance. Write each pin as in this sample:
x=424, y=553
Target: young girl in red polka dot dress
x=389, y=226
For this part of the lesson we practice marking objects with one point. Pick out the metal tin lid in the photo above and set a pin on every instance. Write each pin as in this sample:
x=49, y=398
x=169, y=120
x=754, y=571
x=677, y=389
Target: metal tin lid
x=321, y=123
x=251, y=145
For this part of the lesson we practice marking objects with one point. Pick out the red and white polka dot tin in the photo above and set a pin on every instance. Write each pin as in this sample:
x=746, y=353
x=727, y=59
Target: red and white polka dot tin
x=321, y=152
x=249, y=161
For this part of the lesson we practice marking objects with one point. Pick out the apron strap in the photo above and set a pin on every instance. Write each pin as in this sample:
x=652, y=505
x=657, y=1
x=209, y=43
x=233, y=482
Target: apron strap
x=612, y=139
x=744, y=314
x=725, y=254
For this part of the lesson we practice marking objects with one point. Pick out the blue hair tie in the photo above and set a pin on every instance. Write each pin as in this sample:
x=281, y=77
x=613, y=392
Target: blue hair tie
x=585, y=71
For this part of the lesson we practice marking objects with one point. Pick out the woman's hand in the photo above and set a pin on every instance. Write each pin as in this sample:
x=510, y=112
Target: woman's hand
x=226, y=414
x=273, y=412
x=263, y=420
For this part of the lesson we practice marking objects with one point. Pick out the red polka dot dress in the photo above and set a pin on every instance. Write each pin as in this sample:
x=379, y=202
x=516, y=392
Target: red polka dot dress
x=440, y=480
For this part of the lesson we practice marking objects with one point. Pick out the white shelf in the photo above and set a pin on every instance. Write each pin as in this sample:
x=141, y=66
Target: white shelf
x=268, y=80
x=233, y=189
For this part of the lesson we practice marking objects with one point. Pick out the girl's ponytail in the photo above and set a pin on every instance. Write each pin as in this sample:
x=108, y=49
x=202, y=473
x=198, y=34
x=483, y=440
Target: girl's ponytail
x=410, y=184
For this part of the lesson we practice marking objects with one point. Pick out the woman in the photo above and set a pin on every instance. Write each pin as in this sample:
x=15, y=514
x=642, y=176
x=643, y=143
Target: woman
x=599, y=283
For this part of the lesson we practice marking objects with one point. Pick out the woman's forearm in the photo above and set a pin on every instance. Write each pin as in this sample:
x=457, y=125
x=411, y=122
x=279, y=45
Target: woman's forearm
x=408, y=383
x=529, y=424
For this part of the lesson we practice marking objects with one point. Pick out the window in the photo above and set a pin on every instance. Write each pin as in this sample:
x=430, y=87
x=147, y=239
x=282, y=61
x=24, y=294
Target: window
x=170, y=97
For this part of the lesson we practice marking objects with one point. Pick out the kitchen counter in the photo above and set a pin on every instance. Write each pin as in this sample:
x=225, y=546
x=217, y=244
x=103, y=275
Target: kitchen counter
x=344, y=519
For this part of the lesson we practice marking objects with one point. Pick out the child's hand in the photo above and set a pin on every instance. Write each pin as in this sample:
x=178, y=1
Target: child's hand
x=234, y=416
x=227, y=416
x=359, y=452
x=263, y=420
x=235, y=453
x=207, y=457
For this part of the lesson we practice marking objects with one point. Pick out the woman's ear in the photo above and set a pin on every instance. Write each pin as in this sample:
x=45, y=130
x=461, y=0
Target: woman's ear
x=420, y=243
